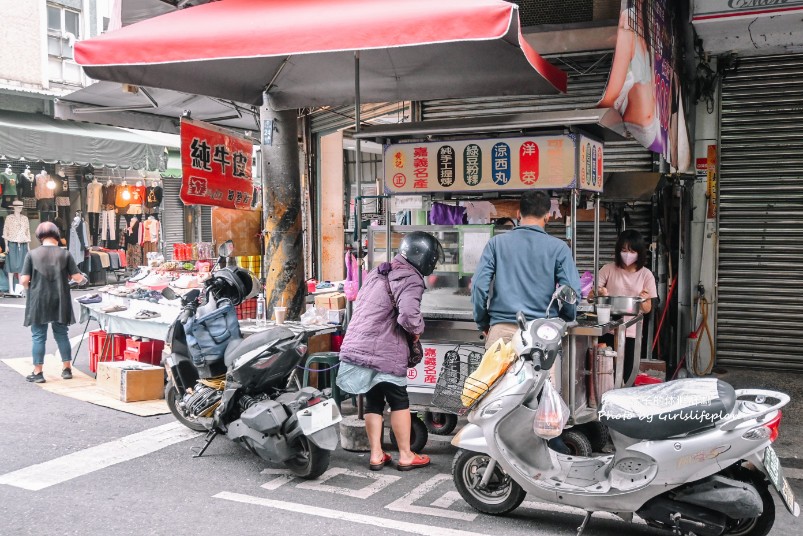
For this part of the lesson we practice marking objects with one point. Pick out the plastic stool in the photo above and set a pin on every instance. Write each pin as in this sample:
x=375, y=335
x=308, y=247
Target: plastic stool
x=330, y=361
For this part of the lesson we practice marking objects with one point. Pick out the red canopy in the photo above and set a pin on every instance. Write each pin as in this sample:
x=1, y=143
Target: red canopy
x=302, y=51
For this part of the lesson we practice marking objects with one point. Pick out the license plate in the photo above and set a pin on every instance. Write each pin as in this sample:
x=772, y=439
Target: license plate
x=774, y=470
x=318, y=417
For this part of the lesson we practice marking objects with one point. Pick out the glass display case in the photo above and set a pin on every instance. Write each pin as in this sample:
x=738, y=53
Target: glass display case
x=448, y=236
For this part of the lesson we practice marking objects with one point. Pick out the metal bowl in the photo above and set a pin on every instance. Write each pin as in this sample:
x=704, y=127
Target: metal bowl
x=621, y=305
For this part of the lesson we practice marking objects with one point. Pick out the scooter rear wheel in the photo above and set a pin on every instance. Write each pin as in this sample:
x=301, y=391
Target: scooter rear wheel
x=754, y=526
x=311, y=461
x=500, y=496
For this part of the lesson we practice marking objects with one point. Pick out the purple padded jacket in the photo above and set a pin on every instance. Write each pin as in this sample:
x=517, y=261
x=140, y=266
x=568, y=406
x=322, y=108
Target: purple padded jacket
x=376, y=337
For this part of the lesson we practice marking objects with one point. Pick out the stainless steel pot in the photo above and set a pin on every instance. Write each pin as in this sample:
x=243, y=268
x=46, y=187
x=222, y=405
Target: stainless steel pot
x=621, y=305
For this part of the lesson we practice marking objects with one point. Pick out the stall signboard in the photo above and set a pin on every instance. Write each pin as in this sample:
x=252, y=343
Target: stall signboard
x=589, y=164
x=461, y=360
x=216, y=168
x=500, y=164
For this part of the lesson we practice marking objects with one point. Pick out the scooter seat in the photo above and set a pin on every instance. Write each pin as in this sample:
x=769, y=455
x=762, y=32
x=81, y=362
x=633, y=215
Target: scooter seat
x=668, y=409
x=264, y=339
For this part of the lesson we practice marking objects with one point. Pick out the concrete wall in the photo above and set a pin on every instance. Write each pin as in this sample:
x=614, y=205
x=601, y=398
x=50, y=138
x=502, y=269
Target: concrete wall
x=22, y=38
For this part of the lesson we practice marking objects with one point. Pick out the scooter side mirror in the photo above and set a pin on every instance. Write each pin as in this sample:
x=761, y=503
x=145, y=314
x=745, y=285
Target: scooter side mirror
x=169, y=293
x=191, y=296
x=521, y=321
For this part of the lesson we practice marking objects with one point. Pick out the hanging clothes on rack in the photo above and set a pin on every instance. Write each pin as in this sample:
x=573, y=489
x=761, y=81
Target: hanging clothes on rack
x=79, y=241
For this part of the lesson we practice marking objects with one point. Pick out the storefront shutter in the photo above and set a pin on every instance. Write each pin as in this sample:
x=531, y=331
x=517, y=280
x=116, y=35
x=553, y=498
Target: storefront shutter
x=172, y=214
x=760, y=279
x=588, y=74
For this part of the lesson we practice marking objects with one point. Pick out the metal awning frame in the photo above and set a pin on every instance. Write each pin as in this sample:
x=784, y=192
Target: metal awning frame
x=603, y=123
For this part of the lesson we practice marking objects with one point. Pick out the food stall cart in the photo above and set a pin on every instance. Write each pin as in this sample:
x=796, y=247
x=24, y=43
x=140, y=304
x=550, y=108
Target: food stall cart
x=455, y=161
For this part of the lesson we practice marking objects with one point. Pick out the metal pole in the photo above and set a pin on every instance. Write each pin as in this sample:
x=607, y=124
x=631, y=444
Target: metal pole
x=574, y=224
x=389, y=248
x=358, y=164
x=281, y=184
x=596, y=242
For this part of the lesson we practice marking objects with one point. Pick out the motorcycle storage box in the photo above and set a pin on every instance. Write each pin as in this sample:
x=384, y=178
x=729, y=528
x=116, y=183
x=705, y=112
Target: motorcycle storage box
x=265, y=417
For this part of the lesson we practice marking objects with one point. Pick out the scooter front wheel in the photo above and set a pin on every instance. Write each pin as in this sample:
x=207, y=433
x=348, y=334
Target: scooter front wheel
x=498, y=496
x=173, y=398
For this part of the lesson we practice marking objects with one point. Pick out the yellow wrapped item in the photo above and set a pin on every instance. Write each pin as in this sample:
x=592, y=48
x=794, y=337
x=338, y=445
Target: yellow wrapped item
x=494, y=363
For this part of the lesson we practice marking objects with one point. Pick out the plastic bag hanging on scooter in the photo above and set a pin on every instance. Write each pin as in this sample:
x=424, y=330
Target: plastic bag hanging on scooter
x=552, y=413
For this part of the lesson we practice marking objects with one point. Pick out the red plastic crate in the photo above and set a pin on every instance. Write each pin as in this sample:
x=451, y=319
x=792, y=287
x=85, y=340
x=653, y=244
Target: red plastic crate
x=144, y=351
x=93, y=361
x=247, y=310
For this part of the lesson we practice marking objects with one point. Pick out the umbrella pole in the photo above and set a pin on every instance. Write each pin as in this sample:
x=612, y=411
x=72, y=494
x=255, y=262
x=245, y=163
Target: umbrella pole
x=358, y=199
x=358, y=165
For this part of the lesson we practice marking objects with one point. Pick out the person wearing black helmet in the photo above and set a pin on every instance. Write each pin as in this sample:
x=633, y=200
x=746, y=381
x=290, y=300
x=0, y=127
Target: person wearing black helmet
x=524, y=265
x=375, y=351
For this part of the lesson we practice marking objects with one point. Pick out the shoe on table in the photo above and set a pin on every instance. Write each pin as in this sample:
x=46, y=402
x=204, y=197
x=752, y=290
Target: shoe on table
x=35, y=377
x=66, y=373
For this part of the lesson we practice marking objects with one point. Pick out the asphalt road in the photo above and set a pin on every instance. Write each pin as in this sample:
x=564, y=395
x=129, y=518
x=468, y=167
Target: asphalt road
x=109, y=472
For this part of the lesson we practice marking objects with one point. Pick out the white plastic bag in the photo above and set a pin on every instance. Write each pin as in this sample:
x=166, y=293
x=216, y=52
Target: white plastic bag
x=314, y=317
x=552, y=413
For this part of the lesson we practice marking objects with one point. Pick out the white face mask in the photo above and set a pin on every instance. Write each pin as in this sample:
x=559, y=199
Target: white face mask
x=629, y=257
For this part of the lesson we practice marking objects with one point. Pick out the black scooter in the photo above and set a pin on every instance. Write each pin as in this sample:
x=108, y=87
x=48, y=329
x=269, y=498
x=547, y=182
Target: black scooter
x=251, y=394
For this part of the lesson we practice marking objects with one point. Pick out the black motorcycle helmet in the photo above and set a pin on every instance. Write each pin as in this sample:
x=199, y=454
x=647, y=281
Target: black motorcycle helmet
x=235, y=284
x=422, y=250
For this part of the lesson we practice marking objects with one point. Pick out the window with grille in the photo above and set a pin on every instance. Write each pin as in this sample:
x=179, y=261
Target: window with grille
x=63, y=30
x=537, y=12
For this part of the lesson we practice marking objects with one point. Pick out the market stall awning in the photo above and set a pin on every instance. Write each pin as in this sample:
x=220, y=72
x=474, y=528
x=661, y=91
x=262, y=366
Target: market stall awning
x=37, y=137
x=604, y=123
x=151, y=109
x=302, y=51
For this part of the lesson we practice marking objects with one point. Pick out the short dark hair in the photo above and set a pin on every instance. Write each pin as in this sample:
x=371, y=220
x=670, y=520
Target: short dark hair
x=47, y=229
x=535, y=203
x=632, y=239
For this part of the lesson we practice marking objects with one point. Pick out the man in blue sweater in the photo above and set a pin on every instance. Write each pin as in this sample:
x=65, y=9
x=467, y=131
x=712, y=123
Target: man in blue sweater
x=523, y=266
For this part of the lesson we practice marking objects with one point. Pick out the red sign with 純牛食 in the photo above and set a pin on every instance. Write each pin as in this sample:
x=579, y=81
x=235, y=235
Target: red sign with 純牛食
x=216, y=167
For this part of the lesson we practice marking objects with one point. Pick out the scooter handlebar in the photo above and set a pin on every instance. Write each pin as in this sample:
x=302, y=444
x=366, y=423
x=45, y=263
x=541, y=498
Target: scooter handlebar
x=783, y=399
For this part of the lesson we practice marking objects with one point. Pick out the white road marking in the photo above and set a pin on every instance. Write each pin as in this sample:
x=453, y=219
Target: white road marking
x=380, y=483
x=83, y=462
x=282, y=478
x=447, y=500
x=563, y=509
x=385, y=523
x=405, y=503
x=796, y=474
x=12, y=306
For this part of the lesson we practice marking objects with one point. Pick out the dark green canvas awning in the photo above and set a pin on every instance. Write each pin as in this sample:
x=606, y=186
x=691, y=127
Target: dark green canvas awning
x=37, y=137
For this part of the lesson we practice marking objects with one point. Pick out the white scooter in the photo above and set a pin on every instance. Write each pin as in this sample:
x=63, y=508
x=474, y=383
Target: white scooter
x=692, y=456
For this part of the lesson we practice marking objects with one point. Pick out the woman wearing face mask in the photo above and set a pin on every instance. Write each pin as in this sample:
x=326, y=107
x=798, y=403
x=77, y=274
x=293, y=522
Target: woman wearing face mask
x=627, y=276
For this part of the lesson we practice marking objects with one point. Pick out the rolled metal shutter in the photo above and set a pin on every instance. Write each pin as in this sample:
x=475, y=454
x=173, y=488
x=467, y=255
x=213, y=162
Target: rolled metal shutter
x=640, y=215
x=588, y=74
x=172, y=214
x=759, y=313
x=330, y=119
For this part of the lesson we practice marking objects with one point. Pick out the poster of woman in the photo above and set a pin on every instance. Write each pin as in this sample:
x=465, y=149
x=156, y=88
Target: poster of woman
x=643, y=85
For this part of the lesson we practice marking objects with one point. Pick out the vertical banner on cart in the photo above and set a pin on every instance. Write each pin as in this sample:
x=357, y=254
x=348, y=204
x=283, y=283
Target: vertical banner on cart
x=711, y=181
x=643, y=84
x=589, y=165
x=216, y=168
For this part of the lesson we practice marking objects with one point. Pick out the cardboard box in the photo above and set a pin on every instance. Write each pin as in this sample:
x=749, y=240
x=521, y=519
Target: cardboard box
x=319, y=343
x=335, y=317
x=333, y=302
x=131, y=381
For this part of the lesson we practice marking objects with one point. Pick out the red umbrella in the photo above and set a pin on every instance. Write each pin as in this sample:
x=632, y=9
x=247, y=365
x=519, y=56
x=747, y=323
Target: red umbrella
x=302, y=51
